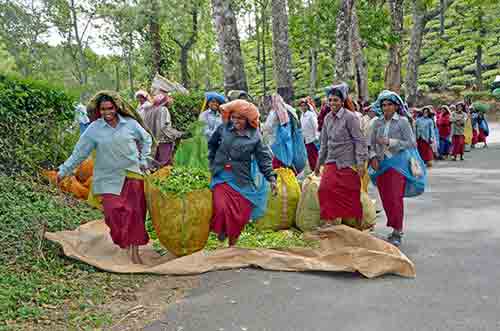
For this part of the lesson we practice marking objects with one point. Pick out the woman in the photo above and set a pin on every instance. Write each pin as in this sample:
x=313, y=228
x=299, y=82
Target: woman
x=277, y=132
x=118, y=169
x=157, y=120
x=424, y=128
x=444, y=127
x=343, y=152
x=484, y=129
x=235, y=151
x=458, y=120
x=309, y=123
x=211, y=115
x=393, y=150
x=142, y=98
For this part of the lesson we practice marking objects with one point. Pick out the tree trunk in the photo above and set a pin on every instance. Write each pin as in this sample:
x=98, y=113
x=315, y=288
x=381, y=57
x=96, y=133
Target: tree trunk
x=130, y=66
x=184, y=67
x=229, y=44
x=154, y=34
x=360, y=62
x=208, y=56
x=479, y=67
x=81, y=52
x=117, y=76
x=442, y=9
x=314, y=71
x=264, y=34
x=282, y=58
x=417, y=33
x=393, y=69
x=343, y=36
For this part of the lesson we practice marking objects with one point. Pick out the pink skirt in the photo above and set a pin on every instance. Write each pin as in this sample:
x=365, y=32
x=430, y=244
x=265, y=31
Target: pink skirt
x=475, y=137
x=125, y=214
x=164, y=153
x=231, y=211
x=481, y=138
x=340, y=193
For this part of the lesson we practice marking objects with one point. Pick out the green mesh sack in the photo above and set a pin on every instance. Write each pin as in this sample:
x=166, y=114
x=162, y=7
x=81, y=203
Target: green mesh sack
x=481, y=107
x=193, y=152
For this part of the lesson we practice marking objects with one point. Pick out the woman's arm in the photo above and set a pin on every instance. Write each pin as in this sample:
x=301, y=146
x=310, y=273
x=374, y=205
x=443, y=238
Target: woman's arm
x=263, y=156
x=214, y=143
x=407, y=137
x=80, y=153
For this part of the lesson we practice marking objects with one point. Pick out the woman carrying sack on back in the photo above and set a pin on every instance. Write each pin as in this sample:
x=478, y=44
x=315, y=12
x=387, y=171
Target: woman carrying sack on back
x=118, y=169
x=343, y=152
x=396, y=167
x=236, y=152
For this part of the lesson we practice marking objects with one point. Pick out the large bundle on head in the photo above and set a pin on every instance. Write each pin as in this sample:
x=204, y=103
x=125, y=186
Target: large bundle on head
x=160, y=83
x=180, y=205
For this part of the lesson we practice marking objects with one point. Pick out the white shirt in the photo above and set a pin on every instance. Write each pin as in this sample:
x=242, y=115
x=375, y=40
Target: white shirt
x=309, y=123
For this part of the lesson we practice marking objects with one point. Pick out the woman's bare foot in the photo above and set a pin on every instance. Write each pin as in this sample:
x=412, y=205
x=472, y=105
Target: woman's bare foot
x=136, y=258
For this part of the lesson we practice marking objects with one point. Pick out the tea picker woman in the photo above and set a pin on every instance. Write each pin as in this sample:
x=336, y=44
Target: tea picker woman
x=118, y=169
x=211, y=115
x=397, y=169
x=236, y=152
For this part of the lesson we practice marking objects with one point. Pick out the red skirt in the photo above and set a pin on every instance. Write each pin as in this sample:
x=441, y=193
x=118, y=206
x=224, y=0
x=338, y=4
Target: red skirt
x=125, y=214
x=340, y=193
x=425, y=150
x=474, y=137
x=231, y=211
x=481, y=138
x=312, y=155
x=391, y=187
x=458, y=143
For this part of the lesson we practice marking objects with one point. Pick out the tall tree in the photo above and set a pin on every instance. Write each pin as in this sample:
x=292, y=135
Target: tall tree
x=282, y=57
x=184, y=32
x=393, y=69
x=155, y=38
x=360, y=63
x=229, y=45
x=421, y=15
x=343, y=45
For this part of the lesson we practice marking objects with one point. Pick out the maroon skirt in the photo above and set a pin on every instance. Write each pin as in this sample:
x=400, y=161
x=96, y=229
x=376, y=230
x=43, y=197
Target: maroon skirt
x=340, y=193
x=391, y=187
x=125, y=214
x=312, y=155
x=458, y=142
x=475, y=137
x=231, y=211
x=164, y=153
x=481, y=138
x=425, y=150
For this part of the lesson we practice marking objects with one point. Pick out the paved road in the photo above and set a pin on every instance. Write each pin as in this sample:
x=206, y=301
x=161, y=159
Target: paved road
x=452, y=235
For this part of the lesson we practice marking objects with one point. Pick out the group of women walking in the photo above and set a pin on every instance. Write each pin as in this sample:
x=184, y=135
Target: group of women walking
x=449, y=131
x=344, y=142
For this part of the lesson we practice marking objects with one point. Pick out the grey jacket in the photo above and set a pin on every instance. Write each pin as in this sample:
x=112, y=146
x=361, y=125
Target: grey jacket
x=399, y=133
x=225, y=148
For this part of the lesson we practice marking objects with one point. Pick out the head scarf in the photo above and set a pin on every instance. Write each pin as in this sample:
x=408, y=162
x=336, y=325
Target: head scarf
x=160, y=100
x=393, y=97
x=343, y=89
x=462, y=105
x=445, y=108
x=239, y=94
x=142, y=93
x=278, y=105
x=243, y=108
x=209, y=96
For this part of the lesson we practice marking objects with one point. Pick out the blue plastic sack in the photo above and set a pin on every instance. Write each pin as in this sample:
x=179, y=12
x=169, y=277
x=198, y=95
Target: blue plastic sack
x=299, y=148
x=400, y=162
x=484, y=126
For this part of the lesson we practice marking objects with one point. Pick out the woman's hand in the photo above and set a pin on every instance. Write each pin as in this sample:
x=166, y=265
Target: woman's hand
x=374, y=164
x=361, y=171
x=383, y=141
x=274, y=188
x=317, y=171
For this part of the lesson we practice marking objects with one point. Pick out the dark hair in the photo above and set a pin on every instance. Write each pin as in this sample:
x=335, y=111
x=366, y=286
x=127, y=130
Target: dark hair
x=104, y=98
x=336, y=93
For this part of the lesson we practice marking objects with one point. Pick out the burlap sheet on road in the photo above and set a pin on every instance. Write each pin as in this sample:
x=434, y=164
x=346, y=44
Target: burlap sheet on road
x=342, y=249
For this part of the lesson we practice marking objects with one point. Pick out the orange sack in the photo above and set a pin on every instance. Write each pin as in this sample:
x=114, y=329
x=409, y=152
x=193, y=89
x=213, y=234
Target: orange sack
x=85, y=170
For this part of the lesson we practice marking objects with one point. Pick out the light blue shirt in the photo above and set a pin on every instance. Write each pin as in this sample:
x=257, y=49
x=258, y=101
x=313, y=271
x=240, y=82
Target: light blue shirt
x=425, y=129
x=118, y=150
x=212, y=121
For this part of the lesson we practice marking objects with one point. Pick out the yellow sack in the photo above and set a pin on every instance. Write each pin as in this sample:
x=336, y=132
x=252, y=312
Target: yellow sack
x=181, y=224
x=308, y=213
x=369, y=215
x=468, y=131
x=94, y=200
x=281, y=209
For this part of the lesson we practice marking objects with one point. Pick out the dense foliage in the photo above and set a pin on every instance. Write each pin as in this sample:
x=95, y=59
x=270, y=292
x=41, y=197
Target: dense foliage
x=34, y=122
x=186, y=109
x=183, y=180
